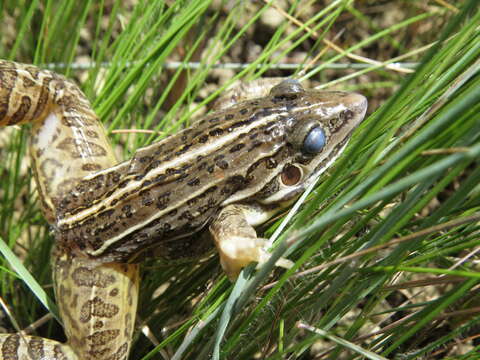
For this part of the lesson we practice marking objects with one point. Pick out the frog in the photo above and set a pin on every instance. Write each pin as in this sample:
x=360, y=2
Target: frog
x=209, y=185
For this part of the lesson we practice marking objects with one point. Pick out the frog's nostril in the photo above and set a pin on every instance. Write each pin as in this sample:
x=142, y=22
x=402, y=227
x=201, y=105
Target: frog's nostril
x=359, y=101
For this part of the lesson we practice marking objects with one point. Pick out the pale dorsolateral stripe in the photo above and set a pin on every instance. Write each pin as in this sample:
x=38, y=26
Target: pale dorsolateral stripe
x=189, y=156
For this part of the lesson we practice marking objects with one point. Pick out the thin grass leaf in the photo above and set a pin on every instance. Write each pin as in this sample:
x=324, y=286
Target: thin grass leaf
x=29, y=280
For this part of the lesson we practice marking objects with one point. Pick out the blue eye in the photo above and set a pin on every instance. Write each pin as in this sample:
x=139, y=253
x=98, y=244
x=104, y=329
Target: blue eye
x=315, y=141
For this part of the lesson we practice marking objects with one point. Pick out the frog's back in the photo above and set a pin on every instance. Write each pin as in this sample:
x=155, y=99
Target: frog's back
x=175, y=187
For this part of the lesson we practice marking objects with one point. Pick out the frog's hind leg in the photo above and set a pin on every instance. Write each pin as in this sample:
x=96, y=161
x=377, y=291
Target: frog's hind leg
x=97, y=301
x=68, y=141
x=17, y=346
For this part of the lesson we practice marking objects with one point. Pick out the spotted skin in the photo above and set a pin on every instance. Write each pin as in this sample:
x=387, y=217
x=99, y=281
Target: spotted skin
x=97, y=301
x=67, y=140
x=174, y=188
x=101, y=325
x=16, y=347
x=230, y=171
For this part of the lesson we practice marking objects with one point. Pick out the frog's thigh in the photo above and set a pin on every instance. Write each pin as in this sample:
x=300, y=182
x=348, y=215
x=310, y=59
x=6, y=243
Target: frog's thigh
x=244, y=90
x=236, y=239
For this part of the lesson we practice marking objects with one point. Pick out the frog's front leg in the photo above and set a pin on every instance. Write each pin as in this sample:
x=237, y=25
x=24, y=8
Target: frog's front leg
x=236, y=239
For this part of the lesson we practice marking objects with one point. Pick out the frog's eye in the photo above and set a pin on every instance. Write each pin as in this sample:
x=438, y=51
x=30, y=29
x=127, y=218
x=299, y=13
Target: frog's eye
x=314, y=141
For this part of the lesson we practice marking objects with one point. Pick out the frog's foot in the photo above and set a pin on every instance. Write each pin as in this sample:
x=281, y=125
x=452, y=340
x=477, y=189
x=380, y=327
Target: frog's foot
x=237, y=241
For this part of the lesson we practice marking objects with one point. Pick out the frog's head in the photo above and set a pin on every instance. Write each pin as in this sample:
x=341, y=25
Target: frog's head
x=309, y=135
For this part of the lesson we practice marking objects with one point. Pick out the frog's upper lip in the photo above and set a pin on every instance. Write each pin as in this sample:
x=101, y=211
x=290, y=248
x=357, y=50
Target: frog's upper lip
x=358, y=104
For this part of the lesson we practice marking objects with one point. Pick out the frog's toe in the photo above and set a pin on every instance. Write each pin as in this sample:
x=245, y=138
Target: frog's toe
x=238, y=252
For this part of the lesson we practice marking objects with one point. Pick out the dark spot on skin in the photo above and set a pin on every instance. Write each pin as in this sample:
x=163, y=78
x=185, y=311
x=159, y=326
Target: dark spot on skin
x=236, y=180
x=72, y=121
x=115, y=176
x=269, y=189
x=160, y=178
x=229, y=117
x=266, y=112
x=186, y=215
x=219, y=157
x=203, y=139
x=83, y=276
x=127, y=210
x=163, y=200
x=216, y=132
x=182, y=177
x=210, y=169
x=106, y=213
x=286, y=97
x=346, y=114
x=145, y=159
x=172, y=212
x=237, y=147
x=92, y=134
x=98, y=308
x=167, y=158
x=183, y=150
x=89, y=221
x=139, y=177
x=159, y=150
x=210, y=190
x=147, y=199
x=98, y=325
x=270, y=163
x=124, y=196
x=227, y=190
x=254, y=166
x=184, y=138
x=214, y=120
x=202, y=166
x=194, y=182
x=243, y=111
x=153, y=165
x=203, y=209
x=254, y=145
x=240, y=124
x=222, y=164
x=123, y=183
x=91, y=167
